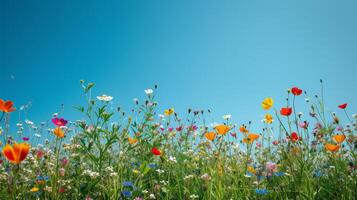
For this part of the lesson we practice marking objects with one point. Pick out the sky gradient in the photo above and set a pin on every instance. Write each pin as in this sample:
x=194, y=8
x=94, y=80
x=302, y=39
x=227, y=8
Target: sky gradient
x=222, y=55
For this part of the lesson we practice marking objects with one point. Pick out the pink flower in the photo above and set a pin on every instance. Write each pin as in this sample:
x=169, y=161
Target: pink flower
x=339, y=128
x=62, y=171
x=234, y=135
x=304, y=124
x=171, y=129
x=64, y=161
x=271, y=166
x=193, y=128
x=275, y=142
x=179, y=128
x=258, y=145
x=59, y=121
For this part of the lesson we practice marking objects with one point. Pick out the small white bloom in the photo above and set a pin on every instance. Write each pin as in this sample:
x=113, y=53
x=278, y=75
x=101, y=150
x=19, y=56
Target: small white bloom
x=194, y=196
x=148, y=91
x=152, y=196
x=214, y=124
x=172, y=159
x=226, y=117
x=28, y=122
x=105, y=98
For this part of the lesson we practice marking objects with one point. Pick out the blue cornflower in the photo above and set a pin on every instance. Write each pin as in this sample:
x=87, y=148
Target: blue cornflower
x=128, y=184
x=317, y=173
x=261, y=191
x=248, y=174
x=126, y=193
x=152, y=165
x=278, y=174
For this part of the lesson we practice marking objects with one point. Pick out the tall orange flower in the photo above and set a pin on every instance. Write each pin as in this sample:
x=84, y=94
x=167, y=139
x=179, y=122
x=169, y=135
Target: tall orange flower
x=132, y=140
x=16, y=153
x=332, y=147
x=210, y=136
x=58, y=132
x=222, y=129
x=339, y=138
x=7, y=106
x=251, y=138
x=243, y=129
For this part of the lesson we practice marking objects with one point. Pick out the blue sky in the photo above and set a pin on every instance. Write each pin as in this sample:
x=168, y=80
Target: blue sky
x=223, y=55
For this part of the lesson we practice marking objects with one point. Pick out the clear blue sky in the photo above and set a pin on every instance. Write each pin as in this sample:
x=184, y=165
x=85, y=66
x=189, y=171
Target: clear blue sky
x=224, y=55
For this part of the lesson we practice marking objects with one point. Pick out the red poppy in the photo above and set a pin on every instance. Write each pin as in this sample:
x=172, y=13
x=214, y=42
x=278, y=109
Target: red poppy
x=156, y=151
x=7, y=106
x=294, y=137
x=343, y=106
x=286, y=111
x=296, y=91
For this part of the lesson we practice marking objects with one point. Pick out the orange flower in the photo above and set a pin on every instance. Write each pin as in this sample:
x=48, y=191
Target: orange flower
x=132, y=140
x=16, y=153
x=58, y=132
x=243, y=129
x=210, y=136
x=332, y=147
x=6, y=106
x=339, y=138
x=251, y=169
x=222, y=129
x=251, y=138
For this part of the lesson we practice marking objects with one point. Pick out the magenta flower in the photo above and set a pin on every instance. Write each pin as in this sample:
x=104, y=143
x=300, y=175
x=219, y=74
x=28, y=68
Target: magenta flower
x=25, y=138
x=275, y=142
x=59, y=121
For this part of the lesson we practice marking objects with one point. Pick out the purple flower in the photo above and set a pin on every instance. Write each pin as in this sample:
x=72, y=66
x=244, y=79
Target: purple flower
x=25, y=138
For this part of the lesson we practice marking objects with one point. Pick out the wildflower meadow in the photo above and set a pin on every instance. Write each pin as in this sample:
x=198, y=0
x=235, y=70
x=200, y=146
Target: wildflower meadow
x=145, y=154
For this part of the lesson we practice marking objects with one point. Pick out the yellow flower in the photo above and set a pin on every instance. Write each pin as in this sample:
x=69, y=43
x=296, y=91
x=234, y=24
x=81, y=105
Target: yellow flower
x=169, y=111
x=267, y=103
x=132, y=140
x=34, y=189
x=210, y=136
x=222, y=129
x=251, y=169
x=135, y=171
x=58, y=132
x=268, y=119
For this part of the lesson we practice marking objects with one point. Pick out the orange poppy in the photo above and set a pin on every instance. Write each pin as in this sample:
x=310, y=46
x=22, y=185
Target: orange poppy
x=132, y=140
x=222, y=129
x=339, y=138
x=332, y=147
x=251, y=138
x=6, y=106
x=210, y=136
x=58, y=132
x=16, y=153
x=243, y=129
